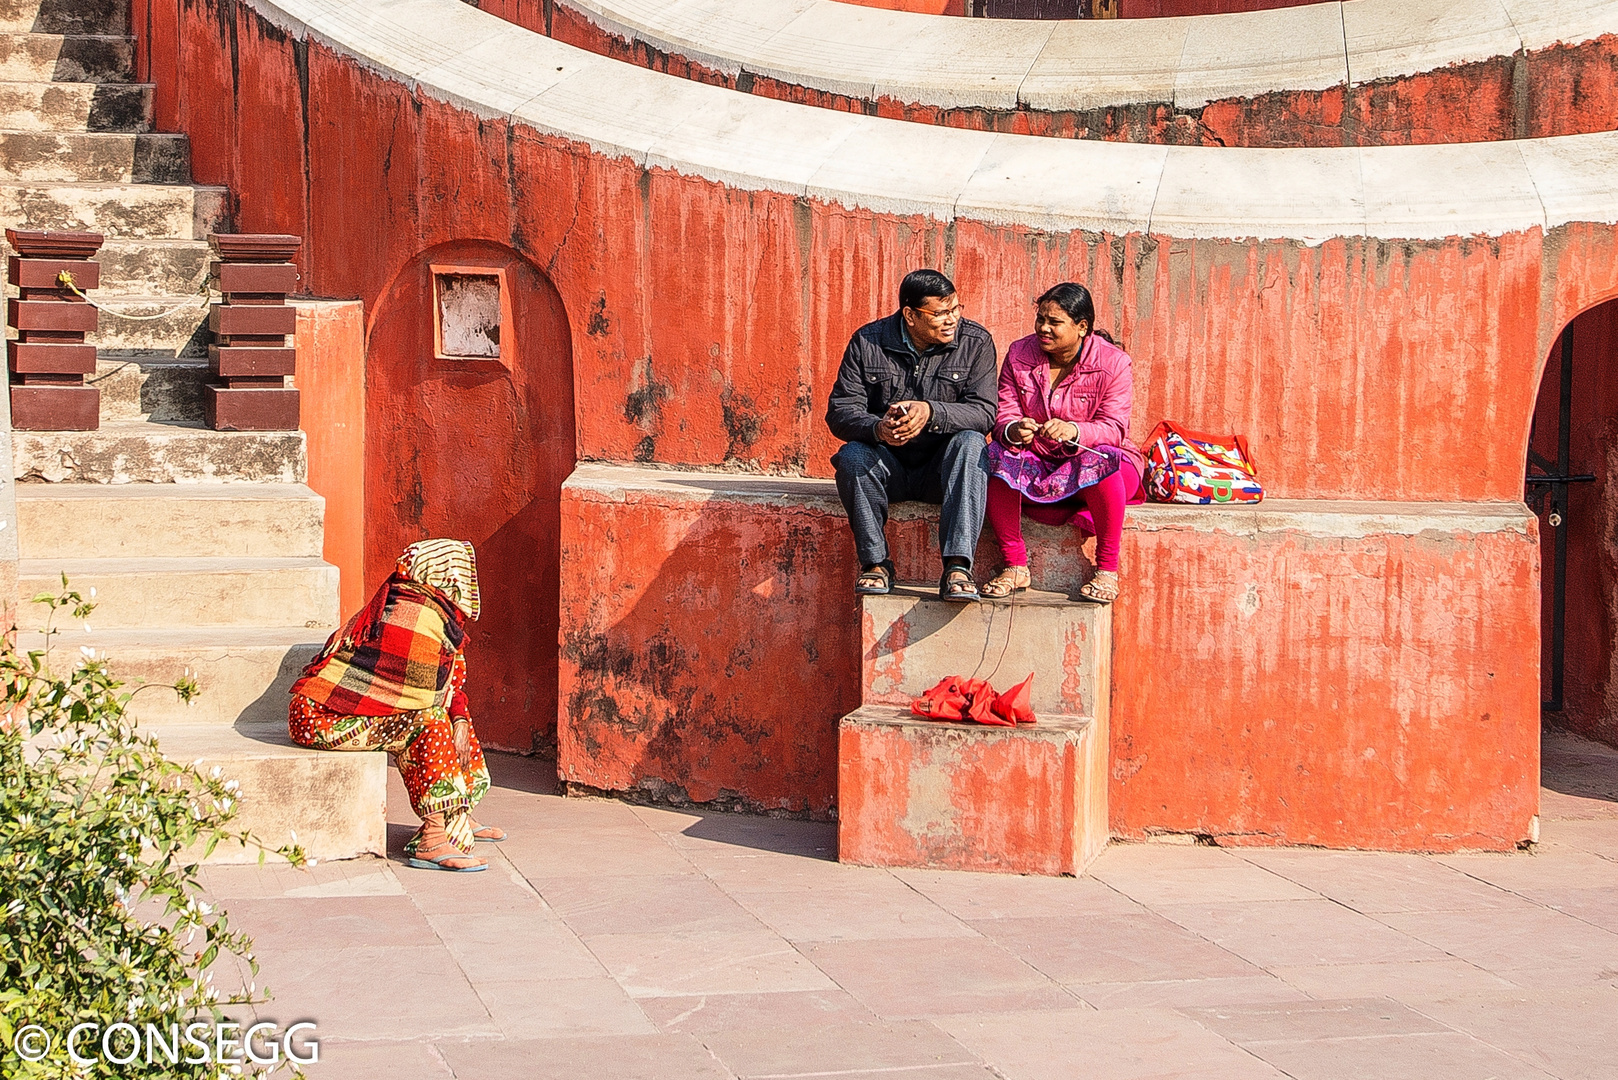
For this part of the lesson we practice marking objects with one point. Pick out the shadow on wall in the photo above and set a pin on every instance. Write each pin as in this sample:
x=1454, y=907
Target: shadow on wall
x=469, y=434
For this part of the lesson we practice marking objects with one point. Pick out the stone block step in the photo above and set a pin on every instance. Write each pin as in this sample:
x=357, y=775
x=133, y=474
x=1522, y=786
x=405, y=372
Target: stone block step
x=150, y=386
x=95, y=157
x=146, y=267
x=911, y=639
x=244, y=674
x=75, y=106
x=336, y=803
x=136, y=521
x=132, y=593
x=133, y=451
x=65, y=16
x=175, y=325
x=140, y=211
x=71, y=58
x=1025, y=800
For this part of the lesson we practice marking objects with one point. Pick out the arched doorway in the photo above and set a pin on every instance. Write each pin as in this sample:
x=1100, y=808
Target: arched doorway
x=1573, y=488
x=469, y=434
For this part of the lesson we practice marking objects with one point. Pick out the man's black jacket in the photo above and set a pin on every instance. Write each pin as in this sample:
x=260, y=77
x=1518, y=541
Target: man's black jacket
x=958, y=380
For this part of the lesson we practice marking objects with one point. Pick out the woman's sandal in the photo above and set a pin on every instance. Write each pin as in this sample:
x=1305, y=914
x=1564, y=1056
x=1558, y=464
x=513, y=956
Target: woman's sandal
x=1100, y=589
x=1013, y=579
x=875, y=580
x=487, y=834
x=957, y=585
x=421, y=860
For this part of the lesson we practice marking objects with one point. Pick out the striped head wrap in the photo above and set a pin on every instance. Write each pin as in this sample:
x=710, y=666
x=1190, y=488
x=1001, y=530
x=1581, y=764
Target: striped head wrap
x=450, y=566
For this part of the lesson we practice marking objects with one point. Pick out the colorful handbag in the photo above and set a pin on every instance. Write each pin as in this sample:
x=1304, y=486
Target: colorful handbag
x=1184, y=466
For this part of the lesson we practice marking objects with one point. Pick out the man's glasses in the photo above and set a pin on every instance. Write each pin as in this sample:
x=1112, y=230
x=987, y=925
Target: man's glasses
x=943, y=315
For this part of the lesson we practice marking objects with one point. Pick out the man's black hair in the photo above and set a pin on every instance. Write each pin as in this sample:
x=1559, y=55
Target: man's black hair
x=919, y=286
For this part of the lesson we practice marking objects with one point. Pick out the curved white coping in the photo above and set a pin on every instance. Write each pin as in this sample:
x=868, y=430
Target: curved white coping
x=453, y=52
x=935, y=60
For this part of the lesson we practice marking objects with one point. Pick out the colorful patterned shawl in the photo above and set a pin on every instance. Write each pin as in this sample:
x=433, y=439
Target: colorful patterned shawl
x=396, y=654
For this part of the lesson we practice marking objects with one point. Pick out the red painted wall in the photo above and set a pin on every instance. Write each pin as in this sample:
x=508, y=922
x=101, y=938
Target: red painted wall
x=1356, y=368
x=1590, y=695
x=331, y=377
x=1561, y=90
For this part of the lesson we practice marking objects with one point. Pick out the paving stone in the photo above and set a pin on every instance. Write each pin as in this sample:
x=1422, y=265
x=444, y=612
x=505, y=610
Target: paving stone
x=1408, y=981
x=1531, y=946
x=880, y=908
x=705, y=962
x=541, y=1008
x=835, y=1048
x=1599, y=836
x=703, y=1013
x=1137, y=947
x=1568, y=1033
x=1187, y=993
x=622, y=1057
x=397, y=991
x=1413, y=1057
x=782, y=836
x=626, y=904
x=334, y=923
x=932, y=977
x=344, y=1060
x=1157, y=874
x=974, y=896
x=505, y=946
x=1297, y=932
x=1550, y=867
x=1376, y=882
x=367, y=876
x=1309, y=1021
x=630, y=851
x=1116, y=1044
x=1598, y=907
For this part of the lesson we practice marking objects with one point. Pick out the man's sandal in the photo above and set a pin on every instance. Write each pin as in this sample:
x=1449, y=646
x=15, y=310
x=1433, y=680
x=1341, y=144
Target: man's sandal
x=957, y=585
x=1013, y=579
x=423, y=861
x=875, y=580
x=1100, y=589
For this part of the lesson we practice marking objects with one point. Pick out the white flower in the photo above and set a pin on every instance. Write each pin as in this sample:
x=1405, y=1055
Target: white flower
x=92, y=592
x=87, y=651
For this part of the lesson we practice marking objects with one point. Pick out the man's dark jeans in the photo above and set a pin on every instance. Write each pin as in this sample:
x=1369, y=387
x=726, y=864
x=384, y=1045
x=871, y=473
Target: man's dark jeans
x=957, y=476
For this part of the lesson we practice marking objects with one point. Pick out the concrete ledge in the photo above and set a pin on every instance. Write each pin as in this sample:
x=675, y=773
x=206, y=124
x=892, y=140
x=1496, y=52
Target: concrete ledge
x=455, y=53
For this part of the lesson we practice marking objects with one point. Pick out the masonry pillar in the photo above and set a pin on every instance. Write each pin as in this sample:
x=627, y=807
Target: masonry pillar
x=50, y=358
x=250, y=358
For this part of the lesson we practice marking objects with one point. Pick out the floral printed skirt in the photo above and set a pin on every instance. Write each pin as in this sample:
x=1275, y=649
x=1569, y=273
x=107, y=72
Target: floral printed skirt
x=423, y=745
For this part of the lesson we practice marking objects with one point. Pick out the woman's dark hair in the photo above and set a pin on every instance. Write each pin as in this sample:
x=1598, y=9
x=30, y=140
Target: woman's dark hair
x=919, y=286
x=1074, y=299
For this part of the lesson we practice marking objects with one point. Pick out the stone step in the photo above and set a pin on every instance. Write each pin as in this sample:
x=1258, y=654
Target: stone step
x=65, y=16
x=131, y=593
x=134, y=451
x=944, y=796
x=336, y=803
x=173, y=325
x=244, y=674
x=135, y=521
x=147, y=268
x=75, y=106
x=100, y=157
x=156, y=386
x=911, y=640
x=69, y=58
x=138, y=211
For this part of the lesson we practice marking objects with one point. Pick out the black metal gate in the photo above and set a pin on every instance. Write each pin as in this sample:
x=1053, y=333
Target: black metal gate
x=1549, y=485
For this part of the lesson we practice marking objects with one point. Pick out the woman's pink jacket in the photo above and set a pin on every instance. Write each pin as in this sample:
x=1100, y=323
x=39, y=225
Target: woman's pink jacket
x=1097, y=396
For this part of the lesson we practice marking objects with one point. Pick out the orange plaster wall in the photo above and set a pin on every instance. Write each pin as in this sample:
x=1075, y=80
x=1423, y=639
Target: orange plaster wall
x=1356, y=368
x=331, y=377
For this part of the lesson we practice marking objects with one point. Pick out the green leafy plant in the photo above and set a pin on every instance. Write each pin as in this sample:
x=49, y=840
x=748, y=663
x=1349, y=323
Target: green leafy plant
x=101, y=918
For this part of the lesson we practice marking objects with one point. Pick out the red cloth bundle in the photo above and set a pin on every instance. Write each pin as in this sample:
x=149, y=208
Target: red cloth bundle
x=959, y=698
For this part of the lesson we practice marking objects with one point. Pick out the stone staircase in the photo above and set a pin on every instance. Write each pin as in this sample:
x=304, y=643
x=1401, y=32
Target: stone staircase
x=203, y=547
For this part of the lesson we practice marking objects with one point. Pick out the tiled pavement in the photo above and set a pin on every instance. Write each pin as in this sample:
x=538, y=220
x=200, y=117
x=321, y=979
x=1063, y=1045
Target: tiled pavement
x=625, y=943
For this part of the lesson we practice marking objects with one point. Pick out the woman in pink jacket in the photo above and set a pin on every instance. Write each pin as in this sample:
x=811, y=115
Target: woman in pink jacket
x=1061, y=446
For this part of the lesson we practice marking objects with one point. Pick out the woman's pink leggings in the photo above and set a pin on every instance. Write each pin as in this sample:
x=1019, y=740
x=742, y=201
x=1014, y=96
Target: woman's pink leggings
x=1097, y=510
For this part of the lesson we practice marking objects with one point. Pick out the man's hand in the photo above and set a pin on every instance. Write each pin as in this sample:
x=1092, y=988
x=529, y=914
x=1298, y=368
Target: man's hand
x=1059, y=430
x=462, y=731
x=903, y=422
x=1022, y=432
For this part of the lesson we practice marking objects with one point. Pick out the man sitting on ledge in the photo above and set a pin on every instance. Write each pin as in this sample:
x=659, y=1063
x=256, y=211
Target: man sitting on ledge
x=913, y=399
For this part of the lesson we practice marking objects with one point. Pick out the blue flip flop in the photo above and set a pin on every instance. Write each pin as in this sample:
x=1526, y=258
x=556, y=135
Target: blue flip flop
x=438, y=864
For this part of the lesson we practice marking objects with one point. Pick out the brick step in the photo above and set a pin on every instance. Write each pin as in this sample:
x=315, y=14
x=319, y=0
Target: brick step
x=67, y=58
x=918, y=793
x=910, y=639
x=99, y=157
x=244, y=674
x=131, y=521
x=132, y=593
x=65, y=16
x=336, y=803
x=136, y=211
x=175, y=325
x=75, y=106
x=157, y=386
x=134, y=451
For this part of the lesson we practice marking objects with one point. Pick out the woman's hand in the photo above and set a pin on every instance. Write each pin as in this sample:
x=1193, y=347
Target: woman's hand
x=1022, y=432
x=462, y=730
x=1059, y=431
